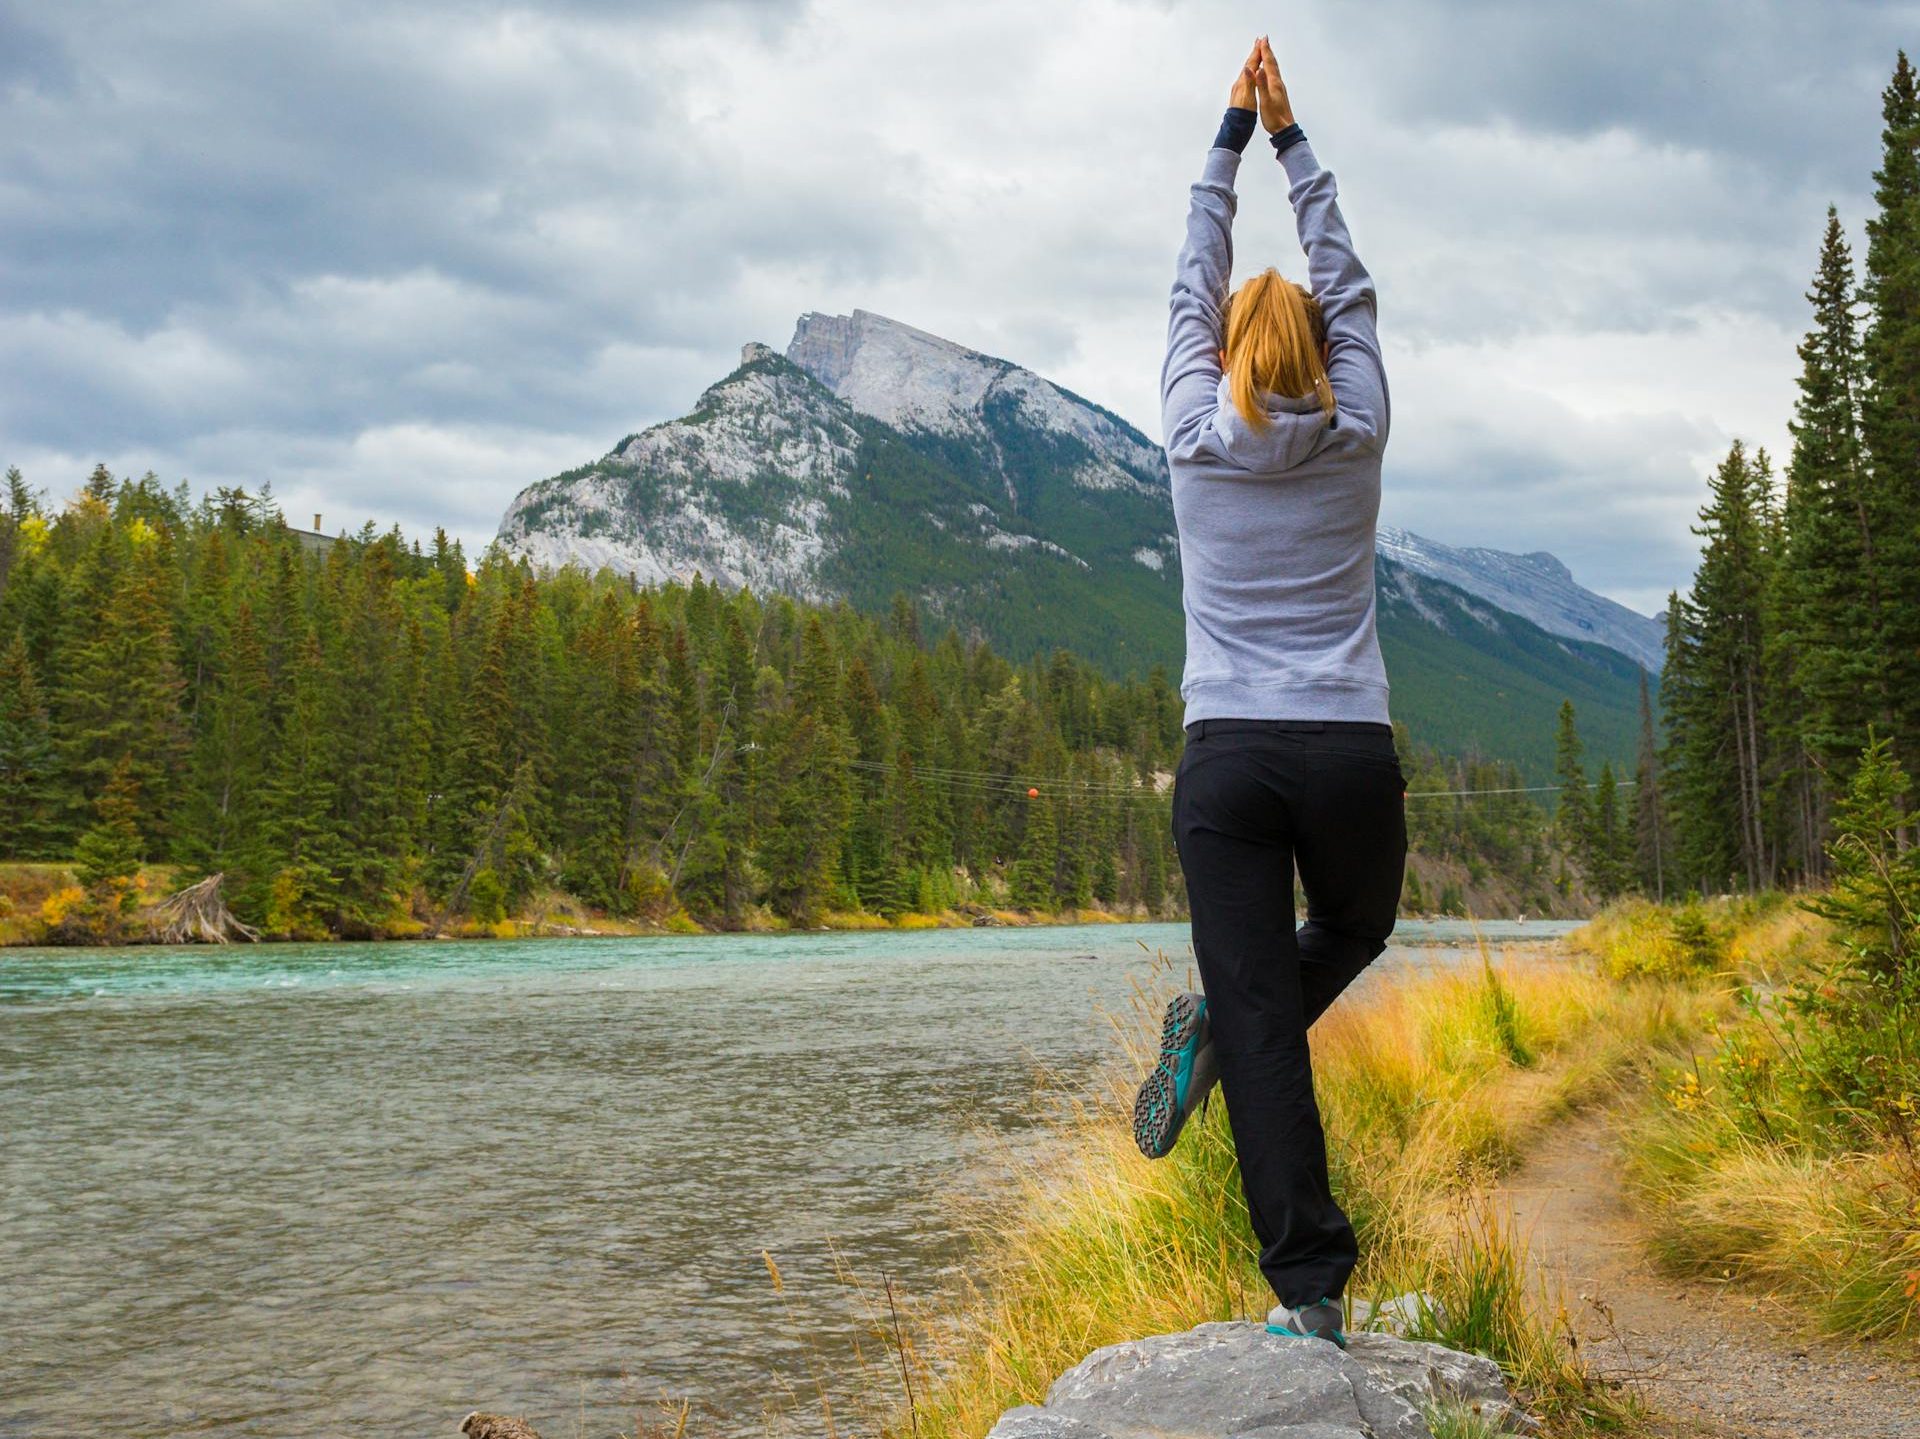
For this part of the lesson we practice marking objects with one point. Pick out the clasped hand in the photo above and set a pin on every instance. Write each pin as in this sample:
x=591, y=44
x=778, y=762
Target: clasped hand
x=1259, y=84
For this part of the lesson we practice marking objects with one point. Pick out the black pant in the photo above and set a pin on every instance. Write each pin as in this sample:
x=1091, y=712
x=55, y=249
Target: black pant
x=1251, y=799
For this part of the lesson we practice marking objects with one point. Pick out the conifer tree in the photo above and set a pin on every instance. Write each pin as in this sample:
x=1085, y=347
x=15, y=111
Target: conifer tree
x=1030, y=884
x=1575, y=817
x=735, y=776
x=1652, y=844
x=1716, y=683
x=21, y=504
x=298, y=886
x=29, y=826
x=1832, y=608
x=107, y=858
x=122, y=690
x=1610, y=855
x=1890, y=412
x=801, y=854
x=230, y=760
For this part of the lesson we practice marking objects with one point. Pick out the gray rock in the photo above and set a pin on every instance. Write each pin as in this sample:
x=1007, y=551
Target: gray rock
x=1423, y=1374
x=1236, y=1381
x=1030, y=1421
x=1401, y=1315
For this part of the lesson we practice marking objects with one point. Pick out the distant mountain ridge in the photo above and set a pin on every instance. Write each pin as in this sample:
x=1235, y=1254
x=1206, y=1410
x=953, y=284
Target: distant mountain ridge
x=873, y=457
x=1537, y=586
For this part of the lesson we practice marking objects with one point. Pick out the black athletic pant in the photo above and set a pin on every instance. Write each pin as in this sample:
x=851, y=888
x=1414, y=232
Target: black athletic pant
x=1252, y=799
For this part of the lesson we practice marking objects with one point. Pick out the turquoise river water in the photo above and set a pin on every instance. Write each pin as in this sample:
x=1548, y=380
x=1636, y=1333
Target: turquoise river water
x=306, y=1190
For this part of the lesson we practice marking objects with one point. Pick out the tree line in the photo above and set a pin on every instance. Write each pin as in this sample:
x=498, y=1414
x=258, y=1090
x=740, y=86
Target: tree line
x=364, y=735
x=358, y=730
x=1796, y=649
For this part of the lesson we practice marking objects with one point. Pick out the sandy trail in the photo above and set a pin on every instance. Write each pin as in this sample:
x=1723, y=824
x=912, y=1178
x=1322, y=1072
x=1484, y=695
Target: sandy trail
x=1710, y=1360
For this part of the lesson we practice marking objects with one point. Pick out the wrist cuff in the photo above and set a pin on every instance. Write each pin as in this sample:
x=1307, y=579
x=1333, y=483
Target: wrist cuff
x=1235, y=130
x=1286, y=137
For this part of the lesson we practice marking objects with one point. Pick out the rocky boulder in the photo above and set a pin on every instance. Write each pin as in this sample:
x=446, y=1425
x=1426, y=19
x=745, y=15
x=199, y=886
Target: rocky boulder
x=1237, y=1380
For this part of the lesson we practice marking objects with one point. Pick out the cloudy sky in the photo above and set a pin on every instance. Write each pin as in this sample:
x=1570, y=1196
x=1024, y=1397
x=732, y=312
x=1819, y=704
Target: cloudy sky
x=401, y=259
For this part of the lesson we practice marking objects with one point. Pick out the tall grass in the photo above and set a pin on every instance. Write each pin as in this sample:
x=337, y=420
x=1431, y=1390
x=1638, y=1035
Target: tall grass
x=1750, y=1159
x=1430, y=1088
x=1780, y=1148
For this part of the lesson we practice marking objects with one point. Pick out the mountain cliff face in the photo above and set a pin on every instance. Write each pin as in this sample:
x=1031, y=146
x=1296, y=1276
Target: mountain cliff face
x=873, y=457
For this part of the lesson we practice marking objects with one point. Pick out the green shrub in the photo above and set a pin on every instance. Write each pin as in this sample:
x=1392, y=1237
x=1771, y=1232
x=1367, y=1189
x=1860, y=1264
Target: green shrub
x=487, y=898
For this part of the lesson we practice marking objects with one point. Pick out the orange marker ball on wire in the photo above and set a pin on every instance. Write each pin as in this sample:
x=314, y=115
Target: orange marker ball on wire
x=1033, y=794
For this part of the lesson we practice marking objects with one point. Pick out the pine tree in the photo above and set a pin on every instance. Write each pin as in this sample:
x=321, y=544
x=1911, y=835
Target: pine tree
x=1030, y=883
x=1575, y=816
x=1609, y=856
x=1875, y=898
x=301, y=856
x=1890, y=412
x=1717, y=682
x=107, y=859
x=122, y=691
x=230, y=760
x=801, y=852
x=367, y=699
x=1832, y=608
x=21, y=503
x=1652, y=844
x=29, y=826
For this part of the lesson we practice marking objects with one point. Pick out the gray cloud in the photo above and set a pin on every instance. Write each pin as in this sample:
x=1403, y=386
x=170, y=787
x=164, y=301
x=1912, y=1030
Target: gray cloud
x=401, y=260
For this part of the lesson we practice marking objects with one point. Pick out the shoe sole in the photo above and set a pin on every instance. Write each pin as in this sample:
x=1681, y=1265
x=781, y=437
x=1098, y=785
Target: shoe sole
x=1335, y=1337
x=1157, y=1112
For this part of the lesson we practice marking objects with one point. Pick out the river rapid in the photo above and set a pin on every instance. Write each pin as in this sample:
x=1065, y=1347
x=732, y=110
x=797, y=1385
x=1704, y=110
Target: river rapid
x=303, y=1190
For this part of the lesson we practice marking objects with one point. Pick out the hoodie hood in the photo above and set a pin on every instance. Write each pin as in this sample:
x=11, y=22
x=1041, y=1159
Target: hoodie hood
x=1295, y=428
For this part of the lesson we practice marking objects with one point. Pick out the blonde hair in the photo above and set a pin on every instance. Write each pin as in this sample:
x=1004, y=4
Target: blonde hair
x=1275, y=333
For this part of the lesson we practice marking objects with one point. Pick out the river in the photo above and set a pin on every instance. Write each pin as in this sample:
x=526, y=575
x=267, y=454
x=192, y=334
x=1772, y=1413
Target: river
x=305, y=1190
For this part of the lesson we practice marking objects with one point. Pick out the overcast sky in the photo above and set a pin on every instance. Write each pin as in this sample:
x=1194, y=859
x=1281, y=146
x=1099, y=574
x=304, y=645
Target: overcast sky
x=402, y=259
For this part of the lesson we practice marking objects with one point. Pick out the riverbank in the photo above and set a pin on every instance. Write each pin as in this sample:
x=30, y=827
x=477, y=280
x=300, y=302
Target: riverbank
x=1433, y=1089
x=36, y=899
x=1450, y=1101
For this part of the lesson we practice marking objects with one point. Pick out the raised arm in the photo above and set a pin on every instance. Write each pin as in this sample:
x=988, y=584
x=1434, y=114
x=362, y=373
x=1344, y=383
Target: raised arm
x=1334, y=273
x=1190, y=377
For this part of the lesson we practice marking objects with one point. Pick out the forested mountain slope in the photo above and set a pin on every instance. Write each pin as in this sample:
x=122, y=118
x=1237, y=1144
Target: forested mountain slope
x=873, y=459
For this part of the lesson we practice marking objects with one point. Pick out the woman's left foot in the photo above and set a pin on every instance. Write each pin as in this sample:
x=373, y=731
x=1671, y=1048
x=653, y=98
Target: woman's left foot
x=1311, y=1321
x=1181, y=1077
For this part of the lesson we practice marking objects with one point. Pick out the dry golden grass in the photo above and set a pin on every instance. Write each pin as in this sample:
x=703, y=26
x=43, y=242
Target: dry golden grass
x=1738, y=1166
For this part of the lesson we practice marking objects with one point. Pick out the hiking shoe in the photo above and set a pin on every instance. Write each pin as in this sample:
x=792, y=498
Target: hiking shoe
x=1181, y=1079
x=1312, y=1321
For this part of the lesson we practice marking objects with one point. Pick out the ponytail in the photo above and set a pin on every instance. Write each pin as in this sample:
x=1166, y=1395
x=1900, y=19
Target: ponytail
x=1274, y=337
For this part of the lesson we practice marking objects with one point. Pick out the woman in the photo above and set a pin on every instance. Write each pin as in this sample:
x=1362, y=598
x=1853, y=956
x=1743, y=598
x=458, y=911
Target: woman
x=1275, y=412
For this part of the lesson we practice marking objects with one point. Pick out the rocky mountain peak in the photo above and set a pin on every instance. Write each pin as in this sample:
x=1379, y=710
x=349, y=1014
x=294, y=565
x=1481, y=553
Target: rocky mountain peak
x=920, y=383
x=895, y=373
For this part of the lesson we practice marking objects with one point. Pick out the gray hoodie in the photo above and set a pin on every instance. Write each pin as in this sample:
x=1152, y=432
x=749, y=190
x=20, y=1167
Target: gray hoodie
x=1276, y=526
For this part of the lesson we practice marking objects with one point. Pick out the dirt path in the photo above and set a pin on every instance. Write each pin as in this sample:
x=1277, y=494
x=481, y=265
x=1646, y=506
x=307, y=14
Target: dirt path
x=1710, y=1361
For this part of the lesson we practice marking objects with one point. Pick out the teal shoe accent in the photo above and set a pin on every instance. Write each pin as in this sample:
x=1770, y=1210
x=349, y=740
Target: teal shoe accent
x=1182, y=1077
x=1320, y=1320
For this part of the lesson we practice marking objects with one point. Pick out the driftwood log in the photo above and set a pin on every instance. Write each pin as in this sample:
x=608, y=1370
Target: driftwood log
x=494, y=1426
x=198, y=915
